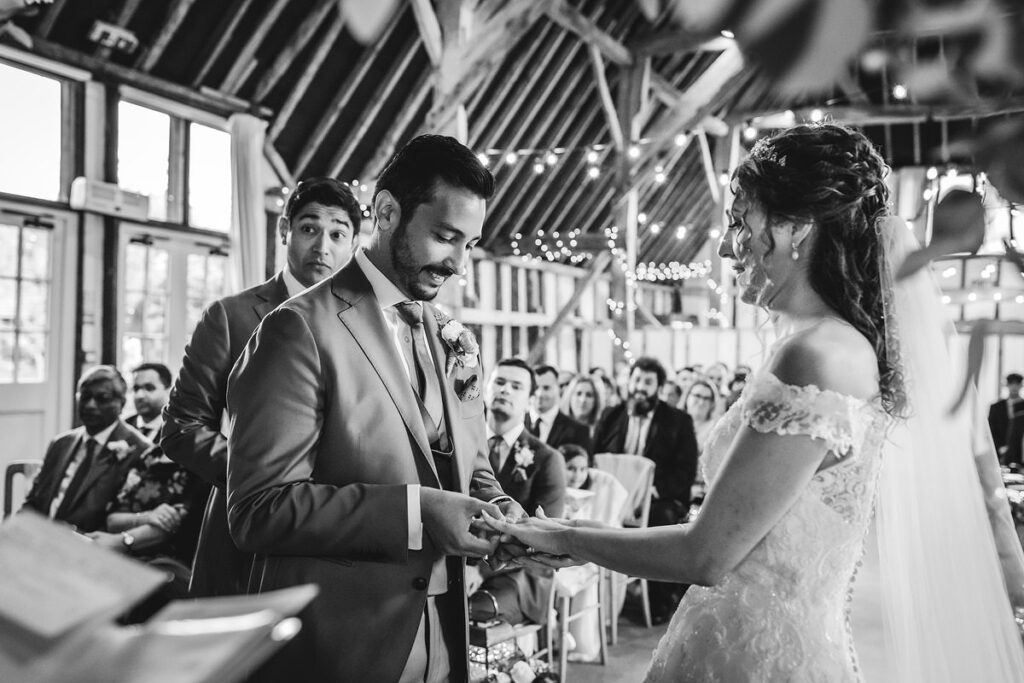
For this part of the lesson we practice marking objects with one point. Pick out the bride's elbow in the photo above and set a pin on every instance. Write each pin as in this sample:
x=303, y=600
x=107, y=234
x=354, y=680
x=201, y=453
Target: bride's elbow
x=709, y=572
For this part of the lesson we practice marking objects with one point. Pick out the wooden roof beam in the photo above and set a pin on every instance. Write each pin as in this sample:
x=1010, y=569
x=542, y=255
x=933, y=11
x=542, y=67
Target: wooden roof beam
x=286, y=57
x=396, y=131
x=571, y=19
x=243, y=61
x=675, y=41
x=605, y=93
x=299, y=88
x=175, y=17
x=225, y=30
x=341, y=97
x=430, y=30
x=124, y=17
x=50, y=18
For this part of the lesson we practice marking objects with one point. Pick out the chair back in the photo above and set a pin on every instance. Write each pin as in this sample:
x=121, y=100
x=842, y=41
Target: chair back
x=25, y=468
x=636, y=473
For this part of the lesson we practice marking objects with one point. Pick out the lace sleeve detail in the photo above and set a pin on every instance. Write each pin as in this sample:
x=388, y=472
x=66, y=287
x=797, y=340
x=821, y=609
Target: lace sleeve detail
x=772, y=406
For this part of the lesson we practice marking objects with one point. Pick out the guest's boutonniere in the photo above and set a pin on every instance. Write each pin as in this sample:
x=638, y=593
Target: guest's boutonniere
x=524, y=460
x=120, y=449
x=461, y=344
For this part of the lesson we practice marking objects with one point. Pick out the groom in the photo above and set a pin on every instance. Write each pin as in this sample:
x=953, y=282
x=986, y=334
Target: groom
x=357, y=458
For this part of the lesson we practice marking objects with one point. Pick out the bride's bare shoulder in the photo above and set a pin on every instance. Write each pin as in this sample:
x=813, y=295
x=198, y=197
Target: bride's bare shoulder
x=833, y=356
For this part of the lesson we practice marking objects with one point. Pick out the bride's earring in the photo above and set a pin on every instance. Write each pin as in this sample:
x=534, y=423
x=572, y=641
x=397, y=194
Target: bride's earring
x=796, y=252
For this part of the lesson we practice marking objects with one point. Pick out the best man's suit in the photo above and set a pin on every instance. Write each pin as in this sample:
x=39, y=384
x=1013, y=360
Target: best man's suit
x=327, y=434
x=565, y=429
x=91, y=490
x=192, y=426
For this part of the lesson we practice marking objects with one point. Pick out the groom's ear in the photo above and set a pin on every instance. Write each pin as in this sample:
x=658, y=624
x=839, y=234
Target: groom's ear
x=386, y=210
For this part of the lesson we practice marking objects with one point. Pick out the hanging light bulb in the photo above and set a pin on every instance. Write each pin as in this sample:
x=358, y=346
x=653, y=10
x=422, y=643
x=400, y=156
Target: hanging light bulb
x=484, y=159
x=511, y=158
x=633, y=152
x=682, y=139
x=659, y=177
x=538, y=168
x=593, y=172
x=551, y=158
x=591, y=157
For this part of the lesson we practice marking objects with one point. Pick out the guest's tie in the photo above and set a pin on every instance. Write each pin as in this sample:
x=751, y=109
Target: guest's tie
x=422, y=368
x=495, y=443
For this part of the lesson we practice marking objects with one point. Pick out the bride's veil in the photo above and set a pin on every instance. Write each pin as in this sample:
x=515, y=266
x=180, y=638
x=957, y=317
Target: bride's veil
x=945, y=607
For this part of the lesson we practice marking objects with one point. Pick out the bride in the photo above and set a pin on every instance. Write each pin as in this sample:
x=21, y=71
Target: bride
x=852, y=401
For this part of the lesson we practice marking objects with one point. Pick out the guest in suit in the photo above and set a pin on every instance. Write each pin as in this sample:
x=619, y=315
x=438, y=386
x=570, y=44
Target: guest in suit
x=357, y=455
x=319, y=227
x=84, y=468
x=1004, y=412
x=151, y=385
x=645, y=425
x=583, y=401
x=529, y=471
x=546, y=421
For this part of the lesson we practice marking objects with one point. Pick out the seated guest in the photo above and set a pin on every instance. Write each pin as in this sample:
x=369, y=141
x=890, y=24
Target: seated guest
x=684, y=378
x=670, y=393
x=157, y=511
x=151, y=386
x=1001, y=417
x=647, y=426
x=583, y=400
x=736, y=385
x=546, y=421
x=702, y=406
x=85, y=467
x=534, y=475
x=606, y=505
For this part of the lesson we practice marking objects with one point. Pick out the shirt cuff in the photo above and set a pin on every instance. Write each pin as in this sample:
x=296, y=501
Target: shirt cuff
x=412, y=492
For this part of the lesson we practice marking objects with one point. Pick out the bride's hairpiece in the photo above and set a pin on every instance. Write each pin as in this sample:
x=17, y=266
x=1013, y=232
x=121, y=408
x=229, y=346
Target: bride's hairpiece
x=764, y=150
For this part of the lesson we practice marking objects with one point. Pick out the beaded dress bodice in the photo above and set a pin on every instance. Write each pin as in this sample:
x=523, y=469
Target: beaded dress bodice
x=782, y=613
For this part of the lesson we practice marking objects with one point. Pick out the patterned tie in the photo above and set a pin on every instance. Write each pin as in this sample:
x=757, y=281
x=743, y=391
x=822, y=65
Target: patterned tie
x=76, y=480
x=427, y=385
x=496, y=444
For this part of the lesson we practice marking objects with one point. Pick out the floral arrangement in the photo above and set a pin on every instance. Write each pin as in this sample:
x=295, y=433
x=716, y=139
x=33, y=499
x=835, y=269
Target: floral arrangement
x=523, y=456
x=463, y=348
x=120, y=449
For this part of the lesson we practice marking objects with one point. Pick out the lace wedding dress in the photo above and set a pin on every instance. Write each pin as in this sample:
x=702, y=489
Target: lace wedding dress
x=783, y=613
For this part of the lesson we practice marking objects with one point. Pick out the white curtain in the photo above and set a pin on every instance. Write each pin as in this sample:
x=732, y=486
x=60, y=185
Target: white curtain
x=248, y=214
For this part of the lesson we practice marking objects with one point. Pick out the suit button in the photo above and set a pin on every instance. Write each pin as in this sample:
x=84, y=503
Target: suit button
x=419, y=583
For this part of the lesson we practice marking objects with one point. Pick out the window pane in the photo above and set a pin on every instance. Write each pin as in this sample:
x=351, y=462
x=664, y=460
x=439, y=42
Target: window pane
x=35, y=306
x=30, y=134
x=135, y=267
x=157, y=275
x=209, y=178
x=8, y=303
x=8, y=250
x=143, y=148
x=155, y=321
x=6, y=357
x=31, y=357
x=133, y=311
x=35, y=253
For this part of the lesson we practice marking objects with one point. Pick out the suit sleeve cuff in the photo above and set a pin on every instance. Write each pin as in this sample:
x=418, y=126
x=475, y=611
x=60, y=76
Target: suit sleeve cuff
x=412, y=492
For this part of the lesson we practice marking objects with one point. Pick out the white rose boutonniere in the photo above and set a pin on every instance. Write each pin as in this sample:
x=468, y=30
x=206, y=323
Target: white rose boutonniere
x=462, y=346
x=524, y=460
x=120, y=449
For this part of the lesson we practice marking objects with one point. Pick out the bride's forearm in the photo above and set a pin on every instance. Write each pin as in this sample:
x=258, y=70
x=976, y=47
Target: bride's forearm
x=665, y=553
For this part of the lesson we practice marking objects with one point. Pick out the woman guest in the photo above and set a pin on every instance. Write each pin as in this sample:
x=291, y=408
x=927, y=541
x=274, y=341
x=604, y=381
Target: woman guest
x=584, y=400
x=701, y=403
x=605, y=504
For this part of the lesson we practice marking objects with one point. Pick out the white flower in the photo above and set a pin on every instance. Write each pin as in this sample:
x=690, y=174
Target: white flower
x=119, y=448
x=460, y=341
x=524, y=457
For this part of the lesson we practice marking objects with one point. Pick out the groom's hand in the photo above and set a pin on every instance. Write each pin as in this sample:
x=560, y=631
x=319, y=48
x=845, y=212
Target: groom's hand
x=447, y=518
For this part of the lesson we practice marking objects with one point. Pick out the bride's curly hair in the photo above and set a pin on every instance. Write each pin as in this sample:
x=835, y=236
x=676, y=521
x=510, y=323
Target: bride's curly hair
x=832, y=176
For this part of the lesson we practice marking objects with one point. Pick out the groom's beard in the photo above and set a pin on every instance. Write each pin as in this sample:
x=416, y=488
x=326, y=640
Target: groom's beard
x=640, y=404
x=408, y=269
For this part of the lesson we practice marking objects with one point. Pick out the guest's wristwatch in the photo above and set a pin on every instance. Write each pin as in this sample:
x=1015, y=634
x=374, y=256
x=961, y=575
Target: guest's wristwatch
x=128, y=540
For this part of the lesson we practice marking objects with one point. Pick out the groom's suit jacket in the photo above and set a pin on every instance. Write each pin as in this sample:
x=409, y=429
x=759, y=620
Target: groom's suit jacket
x=86, y=500
x=326, y=435
x=191, y=433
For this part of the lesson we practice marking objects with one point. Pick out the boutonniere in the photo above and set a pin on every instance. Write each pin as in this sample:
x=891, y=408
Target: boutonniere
x=120, y=449
x=524, y=460
x=462, y=346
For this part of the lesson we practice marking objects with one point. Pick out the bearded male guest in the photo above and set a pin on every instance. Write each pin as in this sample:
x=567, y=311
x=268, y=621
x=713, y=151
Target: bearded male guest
x=319, y=228
x=645, y=425
x=357, y=456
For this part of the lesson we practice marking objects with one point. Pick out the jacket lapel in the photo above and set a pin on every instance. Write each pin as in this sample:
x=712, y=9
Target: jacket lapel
x=70, y=449
x=102, y=461
x=271, y=294
x=652, y=431
x=365, y=322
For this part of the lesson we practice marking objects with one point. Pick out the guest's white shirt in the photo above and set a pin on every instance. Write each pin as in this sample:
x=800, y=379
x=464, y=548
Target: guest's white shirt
x=292, y=284
x=544, y=421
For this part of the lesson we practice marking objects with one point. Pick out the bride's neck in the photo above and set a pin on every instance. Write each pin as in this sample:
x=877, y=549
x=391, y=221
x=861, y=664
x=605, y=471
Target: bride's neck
x=800, y=312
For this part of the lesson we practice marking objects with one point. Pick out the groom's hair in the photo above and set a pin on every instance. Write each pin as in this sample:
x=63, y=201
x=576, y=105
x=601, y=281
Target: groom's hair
x=412, y=174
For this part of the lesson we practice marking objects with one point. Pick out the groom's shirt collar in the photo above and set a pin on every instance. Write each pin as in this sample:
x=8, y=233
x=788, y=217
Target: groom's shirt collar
x=384, y=289
x=510, y=437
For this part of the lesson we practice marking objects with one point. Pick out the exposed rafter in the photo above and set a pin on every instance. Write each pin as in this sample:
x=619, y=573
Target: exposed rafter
x=396, y=132
x=571, y=19
x=300, y=86
x=50, y=18
x=430, y=29
x=225, y=30
x=675, y=41
x=607, y=104
x=124, y=17
x=342, y=96
x=243, y=64
x=286, y=57
x=175, y=16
